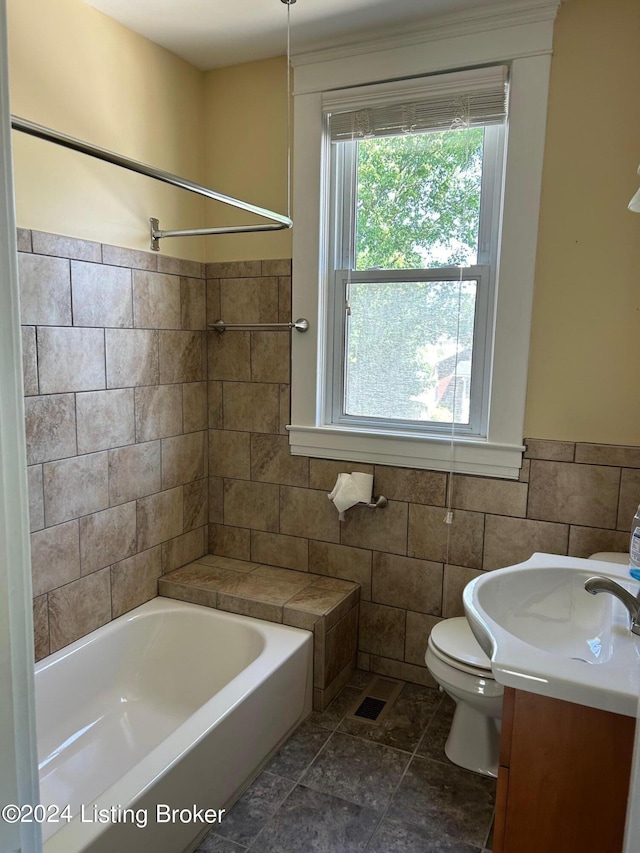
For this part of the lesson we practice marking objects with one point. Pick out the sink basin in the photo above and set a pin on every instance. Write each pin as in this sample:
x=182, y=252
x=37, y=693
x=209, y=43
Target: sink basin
x=546, y=634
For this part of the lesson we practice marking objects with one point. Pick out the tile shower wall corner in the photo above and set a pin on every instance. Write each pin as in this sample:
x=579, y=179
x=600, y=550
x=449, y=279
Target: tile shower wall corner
x=116, y=422
x=270, y=507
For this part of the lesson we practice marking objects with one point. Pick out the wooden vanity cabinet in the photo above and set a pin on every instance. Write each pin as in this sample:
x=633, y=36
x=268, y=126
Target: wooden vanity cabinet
x=563, y=779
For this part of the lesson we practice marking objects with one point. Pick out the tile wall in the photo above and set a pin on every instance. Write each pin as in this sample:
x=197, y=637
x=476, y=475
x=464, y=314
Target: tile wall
x=270, y=507
x=116, y=420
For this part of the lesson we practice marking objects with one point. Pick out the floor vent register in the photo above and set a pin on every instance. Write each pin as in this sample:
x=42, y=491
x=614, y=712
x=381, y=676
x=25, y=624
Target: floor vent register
x=376, y=700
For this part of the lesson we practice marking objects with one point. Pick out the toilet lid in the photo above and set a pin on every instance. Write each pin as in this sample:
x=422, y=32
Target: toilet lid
x=453, y=637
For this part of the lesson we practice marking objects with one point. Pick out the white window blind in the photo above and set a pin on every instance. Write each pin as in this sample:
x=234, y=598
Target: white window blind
x=442, y=102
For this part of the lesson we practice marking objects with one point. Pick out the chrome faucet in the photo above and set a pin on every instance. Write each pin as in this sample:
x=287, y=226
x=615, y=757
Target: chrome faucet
x=599, y=584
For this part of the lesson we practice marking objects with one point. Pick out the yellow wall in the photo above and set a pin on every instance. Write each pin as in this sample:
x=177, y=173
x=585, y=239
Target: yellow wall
x=78, y=71
x=246, y=153
x=585, y=346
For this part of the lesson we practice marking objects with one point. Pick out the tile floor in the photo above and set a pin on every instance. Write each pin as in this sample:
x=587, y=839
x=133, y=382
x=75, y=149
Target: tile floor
x=345, y=786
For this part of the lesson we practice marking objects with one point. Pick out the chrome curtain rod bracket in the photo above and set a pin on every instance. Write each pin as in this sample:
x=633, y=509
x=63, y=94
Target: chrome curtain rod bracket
x=300, y=325
x=279, y=220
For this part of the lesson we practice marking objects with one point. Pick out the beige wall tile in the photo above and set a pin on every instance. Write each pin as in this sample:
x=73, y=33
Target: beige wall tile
x=107, y=537
x=585, y=541
x=455, y=580
x=403, y=671
x=382, y=630
x=213, y=300
x=277, y=266
x=156, y=300
x=196, y=504
x=272, y=462
x=405, y=484
x=431, y=539
x=29, y=360
x=574, y=494
x=308, y=513
x=193, y=300
x=249, y=300
x=182, y=459
x=132, y=357
x=102, y=295
x=66, y=247
x=159, y=411
x=23, y=236
x=284, y=299
x=323, y=473
x=254, y=587
x=214, y=404
x=195, y=416
x=229, y=356
x=121, y=257
x=36, y=497
x=525, y=471
x=45, y=290
x=233, y=269
x=50, y=423
x=481, y=494
x=608, y=454
x=183, y=549
x=216, y=500
x=512, y=540
x=75, y=487
x=79, y=608
x=253, y=505
x=228, y=541
x=229, y=454
x=135, y=580
x=40, y=627
x=380, y=529
x=284, y=408
x=182, y=356
x=405, y=582
x=629, y=497
x=555, y=451
x=134, y=472
x=247, y=607
x=270, y=355
x=105, y=420
x=341, y=645
x=159, y=518
x=55, y=557
x=419, y=626
x=276, y=549
x=181, y=266
x=339, y=561
x=251, y=407
x=70, y=359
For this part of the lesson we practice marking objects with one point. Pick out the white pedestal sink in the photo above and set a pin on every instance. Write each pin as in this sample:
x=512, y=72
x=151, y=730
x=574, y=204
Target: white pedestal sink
x=546, y=634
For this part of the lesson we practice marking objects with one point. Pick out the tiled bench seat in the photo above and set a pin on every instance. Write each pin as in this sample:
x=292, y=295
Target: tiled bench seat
x=327, y=606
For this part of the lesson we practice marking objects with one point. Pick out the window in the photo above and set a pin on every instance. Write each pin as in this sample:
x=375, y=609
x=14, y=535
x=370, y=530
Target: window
x=417, y=349
x=415, y=191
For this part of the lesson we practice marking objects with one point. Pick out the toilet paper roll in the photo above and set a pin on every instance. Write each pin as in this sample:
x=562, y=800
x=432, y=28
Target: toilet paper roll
x=351, y=489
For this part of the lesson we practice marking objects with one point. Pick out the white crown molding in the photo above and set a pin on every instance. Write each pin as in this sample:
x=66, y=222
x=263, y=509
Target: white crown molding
x=483, y=19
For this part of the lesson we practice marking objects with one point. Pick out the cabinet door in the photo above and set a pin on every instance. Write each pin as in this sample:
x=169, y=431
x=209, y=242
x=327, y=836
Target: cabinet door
x=568, y=777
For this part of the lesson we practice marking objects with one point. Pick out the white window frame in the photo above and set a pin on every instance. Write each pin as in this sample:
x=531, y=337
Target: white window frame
x=523, y=39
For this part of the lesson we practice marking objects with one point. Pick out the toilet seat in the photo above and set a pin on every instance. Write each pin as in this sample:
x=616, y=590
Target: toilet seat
x=452, y=641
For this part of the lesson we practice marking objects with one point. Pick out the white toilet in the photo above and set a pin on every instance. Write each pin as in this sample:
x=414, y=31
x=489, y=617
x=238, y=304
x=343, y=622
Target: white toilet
x=462, y=669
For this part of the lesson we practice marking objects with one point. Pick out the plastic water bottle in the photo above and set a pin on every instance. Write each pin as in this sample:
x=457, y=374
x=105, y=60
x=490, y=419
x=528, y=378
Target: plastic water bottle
x=634, y=547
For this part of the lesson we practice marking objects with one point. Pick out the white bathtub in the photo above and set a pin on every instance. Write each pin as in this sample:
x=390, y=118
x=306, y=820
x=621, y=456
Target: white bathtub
x=171, y=704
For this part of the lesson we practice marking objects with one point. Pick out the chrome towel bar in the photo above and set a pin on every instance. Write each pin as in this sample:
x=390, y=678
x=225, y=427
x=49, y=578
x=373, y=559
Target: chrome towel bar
x=300, y=325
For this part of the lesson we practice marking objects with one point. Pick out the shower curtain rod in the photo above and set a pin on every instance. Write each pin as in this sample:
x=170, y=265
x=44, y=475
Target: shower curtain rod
x=278, y=220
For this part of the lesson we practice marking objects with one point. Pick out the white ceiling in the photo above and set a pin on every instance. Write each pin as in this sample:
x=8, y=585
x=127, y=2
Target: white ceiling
x=215, y=33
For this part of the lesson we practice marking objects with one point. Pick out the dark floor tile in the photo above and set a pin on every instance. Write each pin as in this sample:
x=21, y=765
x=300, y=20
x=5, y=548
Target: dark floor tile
x=313, y=822
x=437, y=732
x=445, y=798
x=334, y=714
x=395, y=837
x=359, y=678
x=365, y=773
x=215, y=844
x=254, y=808
x=299, y=751
x=405, y=722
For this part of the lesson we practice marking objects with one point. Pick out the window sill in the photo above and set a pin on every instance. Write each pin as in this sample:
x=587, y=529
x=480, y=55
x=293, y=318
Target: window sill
x=470, y=456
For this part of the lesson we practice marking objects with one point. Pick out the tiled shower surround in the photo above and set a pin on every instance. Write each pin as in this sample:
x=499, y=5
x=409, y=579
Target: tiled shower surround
x=124, y=436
